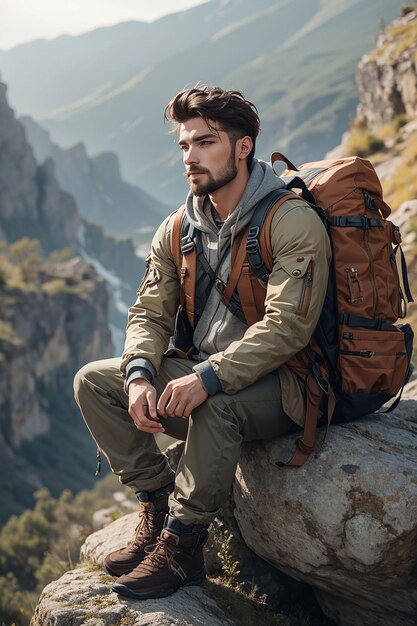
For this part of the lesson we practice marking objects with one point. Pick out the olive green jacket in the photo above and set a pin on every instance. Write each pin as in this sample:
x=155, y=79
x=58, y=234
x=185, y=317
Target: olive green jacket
x=291, y=311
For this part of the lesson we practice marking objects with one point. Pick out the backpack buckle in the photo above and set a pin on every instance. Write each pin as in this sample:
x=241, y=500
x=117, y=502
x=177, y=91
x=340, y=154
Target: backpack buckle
x=187, y=245
x=252, y=245
x=220, y=285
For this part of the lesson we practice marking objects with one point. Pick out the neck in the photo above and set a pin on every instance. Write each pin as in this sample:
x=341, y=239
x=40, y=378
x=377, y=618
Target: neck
x=225, y=199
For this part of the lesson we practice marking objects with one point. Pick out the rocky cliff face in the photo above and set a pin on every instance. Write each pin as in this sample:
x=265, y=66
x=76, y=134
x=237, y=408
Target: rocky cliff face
x=30, y=198
x=101, y=194
x=33, y=204
x=53, y=319
x=56, y=325
x=49, y=329
x=387, y=77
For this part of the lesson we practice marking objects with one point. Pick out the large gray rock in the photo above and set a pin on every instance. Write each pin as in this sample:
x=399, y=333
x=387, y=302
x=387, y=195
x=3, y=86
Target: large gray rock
x=346, y=522
x=83, y=597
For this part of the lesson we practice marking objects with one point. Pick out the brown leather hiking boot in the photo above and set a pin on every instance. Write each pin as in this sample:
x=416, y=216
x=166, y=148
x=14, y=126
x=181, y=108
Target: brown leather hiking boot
x=152, y=513
x=176, y=560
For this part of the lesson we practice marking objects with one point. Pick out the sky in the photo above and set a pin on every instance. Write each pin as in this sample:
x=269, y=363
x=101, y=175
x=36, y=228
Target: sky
x=25, y=20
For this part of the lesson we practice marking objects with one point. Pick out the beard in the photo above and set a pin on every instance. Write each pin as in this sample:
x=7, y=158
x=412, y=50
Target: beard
x=212, y=184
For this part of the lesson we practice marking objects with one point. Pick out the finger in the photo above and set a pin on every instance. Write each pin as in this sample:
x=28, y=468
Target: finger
x=149, y=425
x=165, y=396
x=151, y=399
x=187, y=410
x=151, y=430
x=178, y=411
x=138, y=412
x=175, y=404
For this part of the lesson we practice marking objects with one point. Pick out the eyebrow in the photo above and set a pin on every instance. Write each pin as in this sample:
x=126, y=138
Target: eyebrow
x=183, y=142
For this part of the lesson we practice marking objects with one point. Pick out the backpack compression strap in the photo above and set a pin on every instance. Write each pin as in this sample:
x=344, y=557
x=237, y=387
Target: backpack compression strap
x=308, y=365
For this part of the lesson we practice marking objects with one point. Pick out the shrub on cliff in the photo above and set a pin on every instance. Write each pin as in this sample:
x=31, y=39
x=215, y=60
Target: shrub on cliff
x=42, y=543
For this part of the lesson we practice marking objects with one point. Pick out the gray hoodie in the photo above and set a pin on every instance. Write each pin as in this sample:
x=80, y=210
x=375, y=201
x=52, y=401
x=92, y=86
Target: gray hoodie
x=218, y=327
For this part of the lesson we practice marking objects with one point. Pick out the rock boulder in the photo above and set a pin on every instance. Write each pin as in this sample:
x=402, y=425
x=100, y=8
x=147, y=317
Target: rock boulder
x=346, y=522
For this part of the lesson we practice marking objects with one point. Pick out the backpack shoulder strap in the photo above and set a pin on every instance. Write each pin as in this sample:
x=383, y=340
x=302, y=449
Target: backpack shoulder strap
x=253, y=256
x=176, y=239
x=258, y=242
x=185, y=258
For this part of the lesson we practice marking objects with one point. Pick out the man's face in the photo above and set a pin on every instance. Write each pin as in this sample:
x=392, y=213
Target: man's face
x=208, y=156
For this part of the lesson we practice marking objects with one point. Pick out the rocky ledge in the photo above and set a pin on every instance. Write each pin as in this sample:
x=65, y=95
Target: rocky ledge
x=84, y=596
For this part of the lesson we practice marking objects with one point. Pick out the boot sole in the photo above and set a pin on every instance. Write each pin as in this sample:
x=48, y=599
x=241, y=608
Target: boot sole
x=124, y=590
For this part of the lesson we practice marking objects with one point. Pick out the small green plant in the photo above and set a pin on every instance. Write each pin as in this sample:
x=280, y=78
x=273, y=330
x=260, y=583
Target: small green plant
x=229, y=566
x=400, y=121
x=362, y=143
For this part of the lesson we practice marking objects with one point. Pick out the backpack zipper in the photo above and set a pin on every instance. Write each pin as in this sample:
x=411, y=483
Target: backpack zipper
x=369, y=353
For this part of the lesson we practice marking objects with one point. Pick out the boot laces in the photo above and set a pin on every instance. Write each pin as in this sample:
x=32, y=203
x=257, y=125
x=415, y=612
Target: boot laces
x=158, y=554
x=145, y=527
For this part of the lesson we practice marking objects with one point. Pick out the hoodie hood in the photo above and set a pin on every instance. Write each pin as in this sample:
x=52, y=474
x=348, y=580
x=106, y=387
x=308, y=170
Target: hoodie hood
x=262, y=180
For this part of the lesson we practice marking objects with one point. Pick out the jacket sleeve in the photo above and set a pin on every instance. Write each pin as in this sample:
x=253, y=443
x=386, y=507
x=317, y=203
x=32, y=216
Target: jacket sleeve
x=294, y=299
x=151, y=319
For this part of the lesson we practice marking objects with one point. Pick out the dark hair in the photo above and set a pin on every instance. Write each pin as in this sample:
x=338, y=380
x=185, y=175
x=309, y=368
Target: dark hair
x=234, y=114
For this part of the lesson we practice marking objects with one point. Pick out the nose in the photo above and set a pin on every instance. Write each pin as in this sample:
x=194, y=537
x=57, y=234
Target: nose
x=190, y=155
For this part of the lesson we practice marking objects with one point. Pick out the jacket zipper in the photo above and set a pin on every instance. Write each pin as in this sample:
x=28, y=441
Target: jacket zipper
x=305, y=297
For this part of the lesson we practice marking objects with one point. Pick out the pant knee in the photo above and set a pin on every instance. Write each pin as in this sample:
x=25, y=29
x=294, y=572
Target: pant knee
x=84, y=379
x=79, y=383
x=216, y=407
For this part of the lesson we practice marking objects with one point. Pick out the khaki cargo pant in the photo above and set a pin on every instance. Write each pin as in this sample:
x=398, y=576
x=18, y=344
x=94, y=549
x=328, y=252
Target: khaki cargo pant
x=213, y=435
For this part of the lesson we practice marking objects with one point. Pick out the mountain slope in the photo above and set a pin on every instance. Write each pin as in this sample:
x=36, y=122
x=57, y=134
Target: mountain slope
x=295, y=60
x=45, y=75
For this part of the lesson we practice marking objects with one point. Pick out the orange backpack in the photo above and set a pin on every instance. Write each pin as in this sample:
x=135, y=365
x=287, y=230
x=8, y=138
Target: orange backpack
x=357, y=359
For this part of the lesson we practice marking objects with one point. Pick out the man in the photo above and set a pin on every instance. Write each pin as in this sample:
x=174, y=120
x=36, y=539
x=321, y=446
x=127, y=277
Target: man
x=235, y=386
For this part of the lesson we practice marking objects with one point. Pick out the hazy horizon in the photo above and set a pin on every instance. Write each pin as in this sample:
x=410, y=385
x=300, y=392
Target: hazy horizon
x=22, y=22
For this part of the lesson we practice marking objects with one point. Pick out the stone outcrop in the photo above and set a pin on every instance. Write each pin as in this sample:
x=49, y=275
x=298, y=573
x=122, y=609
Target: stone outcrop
x=387, y=77
x=84, y=596
x=54, y=333
x=346, y=522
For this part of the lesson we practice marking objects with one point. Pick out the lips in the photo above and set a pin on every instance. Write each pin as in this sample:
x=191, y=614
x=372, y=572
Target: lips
x=195, y=173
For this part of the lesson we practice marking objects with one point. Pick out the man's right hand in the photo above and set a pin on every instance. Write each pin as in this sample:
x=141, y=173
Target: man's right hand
x=142, y=406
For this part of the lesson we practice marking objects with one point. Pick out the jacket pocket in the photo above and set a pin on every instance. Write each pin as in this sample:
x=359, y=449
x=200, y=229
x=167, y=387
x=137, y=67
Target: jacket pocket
x=300, y=268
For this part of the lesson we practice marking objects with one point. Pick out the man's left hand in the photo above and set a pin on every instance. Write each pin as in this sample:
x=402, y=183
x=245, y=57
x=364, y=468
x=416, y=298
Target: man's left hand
x=181, y=396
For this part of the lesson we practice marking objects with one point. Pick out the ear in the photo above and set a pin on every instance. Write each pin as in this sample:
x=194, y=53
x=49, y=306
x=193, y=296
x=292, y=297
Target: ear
x=243, y=147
